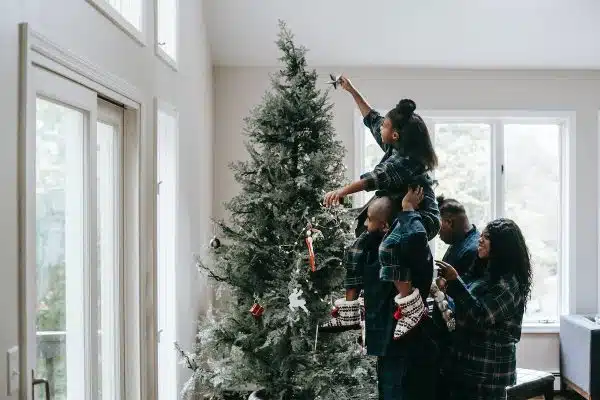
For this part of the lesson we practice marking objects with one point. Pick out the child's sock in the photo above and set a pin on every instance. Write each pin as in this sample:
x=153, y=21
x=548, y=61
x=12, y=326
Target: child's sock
x=346, y=316
x=409, y=313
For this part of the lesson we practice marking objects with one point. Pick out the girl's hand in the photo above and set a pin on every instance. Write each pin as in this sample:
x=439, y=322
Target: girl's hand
x=413, y=198
x=447, y=271
x=346, y=84
x=333, y=198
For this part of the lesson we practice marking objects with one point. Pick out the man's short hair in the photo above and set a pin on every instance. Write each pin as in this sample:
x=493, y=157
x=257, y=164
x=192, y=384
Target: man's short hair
x=450, y=206
x=382, y=208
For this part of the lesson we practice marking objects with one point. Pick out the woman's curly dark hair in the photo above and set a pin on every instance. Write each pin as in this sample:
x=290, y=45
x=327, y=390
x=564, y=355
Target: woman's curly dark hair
x=509, y=254
x=415, y=140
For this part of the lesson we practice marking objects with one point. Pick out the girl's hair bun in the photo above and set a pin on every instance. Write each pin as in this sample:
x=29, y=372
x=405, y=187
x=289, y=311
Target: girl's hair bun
x=406, y=107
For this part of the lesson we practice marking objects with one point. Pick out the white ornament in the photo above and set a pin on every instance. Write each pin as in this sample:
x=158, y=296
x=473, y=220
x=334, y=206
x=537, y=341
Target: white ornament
x=297, y=302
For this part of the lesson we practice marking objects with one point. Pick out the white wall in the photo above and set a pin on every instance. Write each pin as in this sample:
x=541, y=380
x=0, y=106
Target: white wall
x=77, y=26
x=238, y=89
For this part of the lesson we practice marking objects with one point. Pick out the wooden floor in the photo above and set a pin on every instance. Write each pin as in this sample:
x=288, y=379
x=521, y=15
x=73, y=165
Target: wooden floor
x=563, y=396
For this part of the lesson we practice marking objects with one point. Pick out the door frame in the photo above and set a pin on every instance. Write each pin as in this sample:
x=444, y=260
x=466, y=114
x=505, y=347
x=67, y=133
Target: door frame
x=139, y=166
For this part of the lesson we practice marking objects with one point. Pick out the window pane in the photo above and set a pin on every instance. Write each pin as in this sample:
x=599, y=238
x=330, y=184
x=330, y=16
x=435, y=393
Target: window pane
x=464, y=171
x=107, y=171
x=372, y=154
x=58, y=246
x=167, y=27
x=532, y=167
x=131, y=10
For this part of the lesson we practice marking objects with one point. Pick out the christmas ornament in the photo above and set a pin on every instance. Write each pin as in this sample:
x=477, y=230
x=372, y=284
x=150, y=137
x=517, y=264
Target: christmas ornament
x=311, y=252
x=335, y=80
x=311, y=235
x=215, y=243
x=257, y=310
x=297, y=302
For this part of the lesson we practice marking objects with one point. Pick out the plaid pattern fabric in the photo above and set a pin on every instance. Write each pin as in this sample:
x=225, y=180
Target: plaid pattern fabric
x=355, y=260
x=399, y=172
x=373, y=120
x=392, y=174
x=488, y=326
x=405, y=249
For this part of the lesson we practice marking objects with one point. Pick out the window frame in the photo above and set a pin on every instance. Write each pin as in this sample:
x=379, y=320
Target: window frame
x=497, y=119
x=139, y=179
x=105, y=8
x=160, y=52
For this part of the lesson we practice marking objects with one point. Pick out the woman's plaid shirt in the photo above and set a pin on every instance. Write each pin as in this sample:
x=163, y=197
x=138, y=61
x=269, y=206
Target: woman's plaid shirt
x=488, y=316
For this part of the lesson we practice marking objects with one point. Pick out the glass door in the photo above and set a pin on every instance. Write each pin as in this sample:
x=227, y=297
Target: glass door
x=73, y=201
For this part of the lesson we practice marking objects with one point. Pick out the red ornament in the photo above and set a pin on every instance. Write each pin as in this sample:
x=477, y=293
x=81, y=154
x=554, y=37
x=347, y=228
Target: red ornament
x=311, y=253
x=257, y=310
x=398, y=314
x=335, y=312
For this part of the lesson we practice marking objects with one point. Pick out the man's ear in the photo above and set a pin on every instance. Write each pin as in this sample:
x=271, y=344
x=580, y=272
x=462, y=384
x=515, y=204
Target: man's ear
x=395, y=135
x=386, y=227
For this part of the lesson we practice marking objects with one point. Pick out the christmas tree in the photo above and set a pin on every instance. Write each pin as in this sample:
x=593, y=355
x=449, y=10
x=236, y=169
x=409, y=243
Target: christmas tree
x=280, y=264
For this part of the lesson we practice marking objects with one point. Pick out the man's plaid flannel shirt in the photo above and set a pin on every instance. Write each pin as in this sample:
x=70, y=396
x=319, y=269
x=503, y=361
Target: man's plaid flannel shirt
x=488, y=326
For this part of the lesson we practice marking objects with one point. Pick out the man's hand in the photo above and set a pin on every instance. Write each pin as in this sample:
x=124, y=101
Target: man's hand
x=333, y=198
x=447, y=271
x=346, y=84
x=413, y=198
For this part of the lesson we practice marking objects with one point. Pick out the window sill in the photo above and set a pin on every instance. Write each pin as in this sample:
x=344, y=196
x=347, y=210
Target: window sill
x=116, y=18
x=540, y=328
x=163, y=55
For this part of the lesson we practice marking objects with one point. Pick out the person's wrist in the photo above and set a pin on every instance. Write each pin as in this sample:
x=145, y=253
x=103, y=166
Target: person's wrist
x=407, y=207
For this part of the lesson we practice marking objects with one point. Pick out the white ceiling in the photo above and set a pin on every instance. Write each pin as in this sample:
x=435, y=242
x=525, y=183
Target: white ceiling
x=416, y=33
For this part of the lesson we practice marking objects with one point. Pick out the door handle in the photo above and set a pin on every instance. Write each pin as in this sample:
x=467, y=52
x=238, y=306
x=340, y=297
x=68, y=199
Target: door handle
x=46, y=386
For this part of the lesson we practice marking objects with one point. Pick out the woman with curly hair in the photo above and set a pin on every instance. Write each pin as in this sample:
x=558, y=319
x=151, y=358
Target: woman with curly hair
x=489, y=309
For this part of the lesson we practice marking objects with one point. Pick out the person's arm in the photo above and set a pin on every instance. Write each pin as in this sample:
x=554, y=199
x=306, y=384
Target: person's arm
x=362, y=104
x=429, y=211
x=401, y=244
x=499, y=303
x=335, y=196
x=371, y=118
x=394, y=172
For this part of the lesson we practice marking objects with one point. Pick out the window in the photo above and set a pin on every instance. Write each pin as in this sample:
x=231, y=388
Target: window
x=464, y=172
x=166, y=127
x=126, y=14
x=166, y=30
x=78, y=235
x=504, y=166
